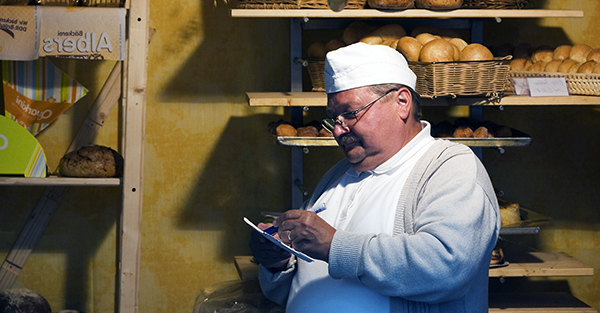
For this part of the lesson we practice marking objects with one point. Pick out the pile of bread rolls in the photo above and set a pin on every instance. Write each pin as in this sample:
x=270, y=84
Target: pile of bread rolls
x=282, y=128
x=578, y=58
x=422, y=4
x=467, y=128
x=425, y=44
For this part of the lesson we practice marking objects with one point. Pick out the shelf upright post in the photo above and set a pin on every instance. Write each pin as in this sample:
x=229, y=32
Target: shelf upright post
x=297, y=156
x=133, y=128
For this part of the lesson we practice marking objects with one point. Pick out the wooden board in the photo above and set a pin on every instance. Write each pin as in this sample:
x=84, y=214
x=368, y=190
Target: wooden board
x=542, y=264
x=554, y=302
x=247, y=269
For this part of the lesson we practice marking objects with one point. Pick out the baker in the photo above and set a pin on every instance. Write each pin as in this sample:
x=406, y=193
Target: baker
x=410, y=221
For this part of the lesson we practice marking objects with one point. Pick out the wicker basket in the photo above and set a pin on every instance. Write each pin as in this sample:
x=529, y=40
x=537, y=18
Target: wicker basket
x=468, y=78
x=496, y=4
x=578, y=84
x=471, y=78
x=295, y=4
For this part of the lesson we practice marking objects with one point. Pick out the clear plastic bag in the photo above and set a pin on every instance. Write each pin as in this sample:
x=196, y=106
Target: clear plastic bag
x=235, y=297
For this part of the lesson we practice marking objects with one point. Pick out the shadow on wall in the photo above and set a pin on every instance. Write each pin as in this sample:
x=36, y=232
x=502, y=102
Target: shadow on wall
x=236, y=55
x=245, y=175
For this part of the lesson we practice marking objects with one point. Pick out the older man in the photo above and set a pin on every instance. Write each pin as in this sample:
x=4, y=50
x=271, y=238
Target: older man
x=410, y=222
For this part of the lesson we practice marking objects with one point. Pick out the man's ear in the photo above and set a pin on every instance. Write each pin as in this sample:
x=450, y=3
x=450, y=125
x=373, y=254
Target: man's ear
x=405, y=103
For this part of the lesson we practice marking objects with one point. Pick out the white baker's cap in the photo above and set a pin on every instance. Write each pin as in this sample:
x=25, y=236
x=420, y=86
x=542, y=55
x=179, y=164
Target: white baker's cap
x=361, y=64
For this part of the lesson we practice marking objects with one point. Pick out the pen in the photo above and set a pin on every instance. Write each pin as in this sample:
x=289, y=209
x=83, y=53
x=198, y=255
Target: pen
x=272, y=230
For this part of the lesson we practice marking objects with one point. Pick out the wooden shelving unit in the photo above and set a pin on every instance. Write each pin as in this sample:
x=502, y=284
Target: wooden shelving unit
x=534, y=264
x=129, y=85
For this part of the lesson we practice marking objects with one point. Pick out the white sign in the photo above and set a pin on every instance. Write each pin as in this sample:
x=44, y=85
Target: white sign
x=547, y=86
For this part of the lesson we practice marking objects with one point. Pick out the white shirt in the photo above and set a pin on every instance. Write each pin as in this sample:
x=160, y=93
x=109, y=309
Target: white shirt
x=361, y=202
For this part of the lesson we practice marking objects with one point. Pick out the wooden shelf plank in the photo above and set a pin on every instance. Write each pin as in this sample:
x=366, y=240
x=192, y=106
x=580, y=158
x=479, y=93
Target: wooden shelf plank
x=554, y=302
x=537, y=264
x=289, y=99
x=411, y=13
x=542, y=264
x=58, y=181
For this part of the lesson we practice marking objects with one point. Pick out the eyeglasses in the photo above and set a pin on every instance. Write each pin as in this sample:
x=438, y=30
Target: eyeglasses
x=348, y=119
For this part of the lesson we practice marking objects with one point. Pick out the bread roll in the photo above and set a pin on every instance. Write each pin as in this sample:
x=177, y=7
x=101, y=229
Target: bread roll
x=357, y=30
x=316, y=50
x=510, y=214
x=459, y=43
x=389, y=33
x=463, y=132
x=391, y=4
x=520, y=64
x=568, y=66
x=324, y=133
x=594, y=55
x=504, y=49
x=438, y=4
x=424, y=38
x=542, y=53
x=538, y=66
x=409, y=47
x=596, y=69
x=91, y=161
x=307, y=131
x=285, y=130
x=482, y=132
x=424, y=29
x=587, y=67
x=522, y=50
x=456, y=53
x=562, y=52
x=372, y=40
x=579, y=52
x=552, y=66
x=334, y=44
x=437, y=50
x=476, y=52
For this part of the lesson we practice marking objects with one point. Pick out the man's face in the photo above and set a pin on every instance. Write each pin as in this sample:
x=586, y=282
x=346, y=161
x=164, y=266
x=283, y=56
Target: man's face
x=370, y=138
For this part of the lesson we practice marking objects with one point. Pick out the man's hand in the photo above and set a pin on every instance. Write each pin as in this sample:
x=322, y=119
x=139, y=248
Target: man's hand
x=267, y=253
x=305, y=231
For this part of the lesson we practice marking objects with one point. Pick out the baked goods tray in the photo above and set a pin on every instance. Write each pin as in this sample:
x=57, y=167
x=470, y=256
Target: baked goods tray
x=472, y=142
x=530, y=223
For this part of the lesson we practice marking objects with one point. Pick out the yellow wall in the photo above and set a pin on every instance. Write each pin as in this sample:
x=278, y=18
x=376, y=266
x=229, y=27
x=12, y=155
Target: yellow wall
x=209, y=161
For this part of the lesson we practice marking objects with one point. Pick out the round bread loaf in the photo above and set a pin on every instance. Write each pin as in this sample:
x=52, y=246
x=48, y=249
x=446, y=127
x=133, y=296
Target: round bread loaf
x=424, y=38
x=424, y=29
x=504, y=49
x=307, y=131
x=372, y=40
x=520, y=64
x=324, y=133
x=594, y=55
x=285, y=130
x=463, y=132
x=391, y=4
x=538, y=66
x=476, y=52
x=579, y=52
x=357, y=30
x=91, y=161
x=568, y=66
x=458, y=42
x=587, y=67
x=316, y=50
x=389, y=33
x=409, y=47
x=438, y=4
x=482, y=132
x=334, y=44
x=522, y=50
x=21, y=300
x=542, y=53
x=596, y=69
x=562, y=52
x=552, y=66
x=437, y=50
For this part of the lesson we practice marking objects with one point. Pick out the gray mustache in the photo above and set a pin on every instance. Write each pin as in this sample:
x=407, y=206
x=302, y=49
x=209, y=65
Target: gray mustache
x=347, y=139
